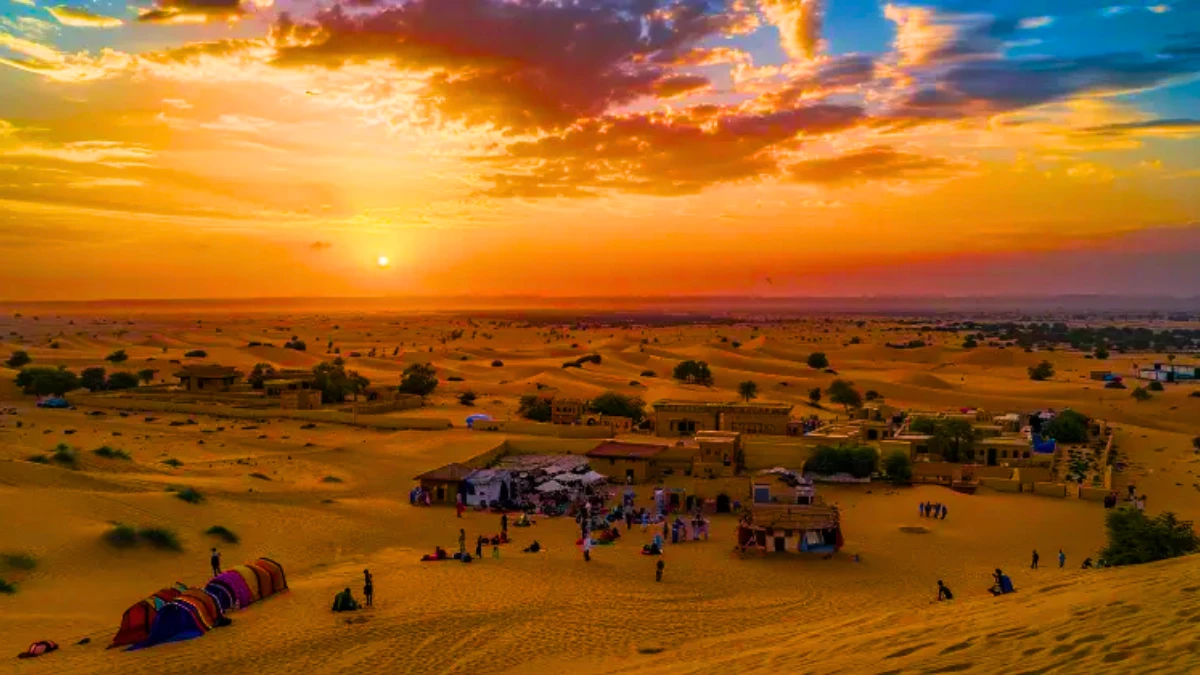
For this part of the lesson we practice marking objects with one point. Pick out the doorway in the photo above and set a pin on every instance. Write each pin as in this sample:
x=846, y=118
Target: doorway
x=722, y=503
x=991, y=457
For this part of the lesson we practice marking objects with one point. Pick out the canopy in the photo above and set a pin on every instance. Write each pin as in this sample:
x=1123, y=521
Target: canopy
x=594, y=477
x=176, y=621
x=472, y=419
x=568, y=478
x=550, y=486
x=242, y=595
x=138, y=619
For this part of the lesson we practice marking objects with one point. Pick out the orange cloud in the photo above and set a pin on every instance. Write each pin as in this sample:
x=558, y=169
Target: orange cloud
x=799, y=24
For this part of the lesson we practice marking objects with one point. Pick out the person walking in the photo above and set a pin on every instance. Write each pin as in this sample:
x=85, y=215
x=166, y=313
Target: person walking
x=369, y=588
x=1035, y=560
x=459, y=507
x=504, y=523
x=944, y=592
x=479, y=547
x=215, y=560
x=921, y=508
x=587, y=549
x=944, y=511
x=1062, y=559
x=495, y=551
x=658, y=569
x=462, y=541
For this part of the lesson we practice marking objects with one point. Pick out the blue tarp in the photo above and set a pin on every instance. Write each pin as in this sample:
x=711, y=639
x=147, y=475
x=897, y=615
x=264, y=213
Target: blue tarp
x=176, y=621
x=1045, y=447
x=472, y=419
x=53, y=402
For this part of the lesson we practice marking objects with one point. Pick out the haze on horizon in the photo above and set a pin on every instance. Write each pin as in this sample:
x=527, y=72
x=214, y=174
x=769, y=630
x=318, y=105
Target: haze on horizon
x=437, y=148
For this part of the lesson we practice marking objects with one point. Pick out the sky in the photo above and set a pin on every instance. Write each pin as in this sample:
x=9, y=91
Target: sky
x=286, y=148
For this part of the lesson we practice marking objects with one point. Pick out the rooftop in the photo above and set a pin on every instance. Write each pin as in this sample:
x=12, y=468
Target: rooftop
x=451, y=473
x=617, y=450
x=719, y=405
x=208, y=371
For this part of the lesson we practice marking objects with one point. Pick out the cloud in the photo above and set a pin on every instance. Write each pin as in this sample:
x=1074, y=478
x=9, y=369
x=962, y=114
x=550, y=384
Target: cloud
x=872, y=164
x=516, y=66
x=1179, y=128
x=1159, y=9
x=823, y=77
x=106, y=183
x=59, y=66
x=77, y=17
x=198, y=11
x=1115, y=10
x=243, y=124
x=1035, y=22
x=925, y=36
x=678, y=86
x=799, y=23
x=320, y=245
x=110, y=153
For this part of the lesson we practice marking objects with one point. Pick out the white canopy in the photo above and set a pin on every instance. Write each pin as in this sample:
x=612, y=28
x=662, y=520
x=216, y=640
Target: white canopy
x=568, y=478
x=550, y=486
x=594, y=477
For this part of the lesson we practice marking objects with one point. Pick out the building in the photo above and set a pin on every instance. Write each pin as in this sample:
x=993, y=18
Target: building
x=718, y=454
x=1168, y=372
x=567, y=410
x=208, y=378
x=631, y=462
x=300, y=399
x=784, y=518
x=686, y=418
x=617, y=425
x=444, y=483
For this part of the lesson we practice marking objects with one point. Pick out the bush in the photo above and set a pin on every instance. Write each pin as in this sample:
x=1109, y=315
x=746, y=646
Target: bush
x=1155, y=386
x=297, y=345
x=534, y=408
x=160, y=538
x=7, y=588
x=47, y=381
x=190, y=495
x=118, y=356
x=146, y=375
x=1134, y=538
x=467, y=398
x=898, y=467
x=454, y=378
x=19, y=561
x=118, y=381
x=694, y=372
x=497, y=363
x=735, y=344
x=872, y=395
x=419, y=379
x=1100, y=353
x=814, y=395
x=19, y=359
x=93, y=379
x=1042, y=371
x=260, y=476
x=196, y=354
x=1067, y=427
x=614, y=404
x=970, y=343
x=817, y=360
x=172, y=462
x=843, y=393
x=111, y=453
x=859, y=461
x=1140, y=394
x=225, y=534
x=38, y=459
x=332, y=479
x=121, y=536
x=649, y=373
x=65, y=455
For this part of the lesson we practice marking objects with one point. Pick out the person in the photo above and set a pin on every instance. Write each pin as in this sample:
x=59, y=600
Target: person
x=1087, y=564
x=658, y=569
x=479, y=546
x=462, y=541
x=532, y=548
x=344, y=602
x=645, y=519
x=628, y=519
x=944, y=511
x=1035, y=560
x=587, y=549
x=921, y=508
x=215, y=560
x=459, y=507
x=495, y=551
x=944, y=592
x=504, y=523
x=1003, y=584
x=369, y=588
x=1062, y=559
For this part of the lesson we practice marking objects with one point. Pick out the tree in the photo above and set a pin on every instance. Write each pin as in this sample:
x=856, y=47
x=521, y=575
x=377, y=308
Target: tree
x=356, y=383
x=467, y=398
x=748, y=390
x=814, y=395
x=118, y=356
x=1135, y=538
x=954, y=440
x=970, y=343
x=93, y=379
x=615, y=404
x=843, y=393
x=872, y=395
x=1154, y=386
x=47, y=381
x=295, y=344
x=694, y=372
x=331, y=379
x=260, y=374
x=146, y=375
x=533, y=407
x=1140, y=394
x=817, y=360
x=122, y=380
x=922, y=425
x=1042, y=371
x=898, y=467
x=859, y=461
x=420, y=379
x=19, y=359
x=1101, y=352
x=1067, y=427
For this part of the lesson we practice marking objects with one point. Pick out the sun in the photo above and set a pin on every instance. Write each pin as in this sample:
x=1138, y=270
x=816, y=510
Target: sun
x=383, y=261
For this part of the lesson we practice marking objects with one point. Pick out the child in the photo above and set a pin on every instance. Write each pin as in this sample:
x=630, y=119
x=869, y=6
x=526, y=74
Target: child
x=495, y=551
x=658, y=569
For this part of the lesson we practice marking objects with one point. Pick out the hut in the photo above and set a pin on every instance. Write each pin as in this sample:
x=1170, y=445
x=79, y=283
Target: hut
x=633, y=462
x=208, y=378
x=444, y=483
x=784, y=519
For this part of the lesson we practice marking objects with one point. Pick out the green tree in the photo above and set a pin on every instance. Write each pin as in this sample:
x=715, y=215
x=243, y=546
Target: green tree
x=954, y=440
x=1042, y=371
x=844, y=394
x=1155, y=386
x=922, y=425
x=331, y=379
x=1135, y=538
x=356, y=383
x=534, y=407
x=1101, y=352
x=817, y=360
x=859, y=461
x=898, y=467
x=748, y=390
x=814, y=395
x=970, y=343
x=615, y=404
x=118, y=356
x=1140, y=394
x=420, y=379
x=872, y=395
x=694, y=372
x=1067, y=427
x=467, y=398
x=93, y=379
x=260, y=374
x=19, y=359
x=122, y=380
x=47, y=381
x=146, y=375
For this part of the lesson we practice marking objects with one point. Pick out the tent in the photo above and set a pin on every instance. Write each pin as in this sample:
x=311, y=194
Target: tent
x=250, y=578
x=487, y=485
x=205, y=604
x=592, y=477
x=550, y=486
x=236, y=583
x=223, y=594
x=266, y=586
x=568, y=478
x=472, y=419
x=278, y=579
x=138, y=619
x=176, y=621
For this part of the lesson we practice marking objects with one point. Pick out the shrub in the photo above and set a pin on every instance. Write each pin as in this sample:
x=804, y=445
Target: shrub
x=467, y=398
x=19, y=359
x=225, y=534
x=1042, y=371
x=93, y=379
x=420, y=379
x=146, y=375
x=649, y=373
x=1067, y=427
x=534, y=408
x=7, y=588
x=814, y=395
x=817, y=360
x=122, y=380
x=111, y=453
x=898, y=467
x=121, y=536
x=161, y=538
x=1140, y=394
x=260, y=476
x=856, y=340
x=331, y=479
x=694, y=372
x=1155, y=386
x=190, y=495
x=859, y=461
x=38, y=459
x=196, y=354
x=843, y=393
x=47, y=381
x=614, y=404
x=970, y=343
x=872, y=395
x=172, y=462
x=19, y=561
x=65, y=455
x=454, y=378
x=497, y=363
x=735, y=344
x=1100, y=353
x=118, y=356
x=297, y=345
x=1135, y=538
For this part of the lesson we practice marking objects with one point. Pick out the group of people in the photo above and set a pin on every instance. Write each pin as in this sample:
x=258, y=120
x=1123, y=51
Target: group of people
x=1062, y=559
x=932, y=510
x=419, y=496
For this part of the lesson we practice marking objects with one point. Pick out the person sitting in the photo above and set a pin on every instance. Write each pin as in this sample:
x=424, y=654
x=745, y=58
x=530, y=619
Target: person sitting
x=532, y=548
x=1003, y=585
x=1087, y=563
x=523, y=521
x=944, y=592
x=344, y=602
x=439, y=553
x=652, y=549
